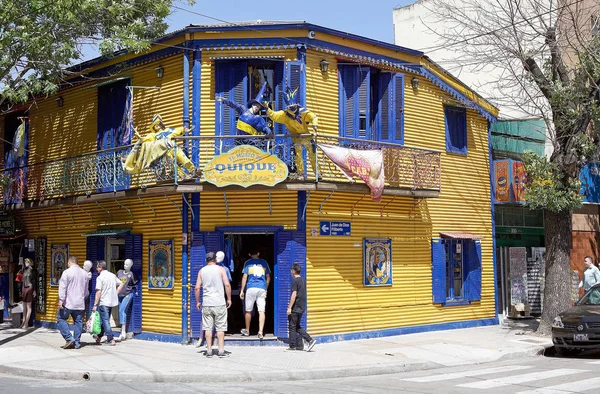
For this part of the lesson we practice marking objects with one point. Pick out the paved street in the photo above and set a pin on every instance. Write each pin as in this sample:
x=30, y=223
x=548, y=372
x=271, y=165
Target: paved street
x=541, y=375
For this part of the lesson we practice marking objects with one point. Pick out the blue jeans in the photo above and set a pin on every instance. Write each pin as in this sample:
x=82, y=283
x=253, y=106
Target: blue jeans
x=104, y=312
x=63, y=326
x=124, y=303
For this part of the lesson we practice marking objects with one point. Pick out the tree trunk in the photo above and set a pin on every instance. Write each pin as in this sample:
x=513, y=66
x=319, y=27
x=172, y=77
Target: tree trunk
x=557, y=291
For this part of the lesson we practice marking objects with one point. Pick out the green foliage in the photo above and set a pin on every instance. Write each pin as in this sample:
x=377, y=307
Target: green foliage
x=546, y=187
x=39, y=38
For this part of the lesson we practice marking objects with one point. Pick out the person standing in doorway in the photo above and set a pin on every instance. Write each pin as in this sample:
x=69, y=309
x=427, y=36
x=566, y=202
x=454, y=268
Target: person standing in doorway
x=591, y=274
x=72, y=289
x=213, y=281
x=126, y=295
x=107, y=288
x=87, y=267
x=257, y=275
x=27, y=291
x=296, y=309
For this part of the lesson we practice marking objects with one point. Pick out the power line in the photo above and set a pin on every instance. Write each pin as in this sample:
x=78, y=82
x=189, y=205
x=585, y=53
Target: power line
x=438, y=47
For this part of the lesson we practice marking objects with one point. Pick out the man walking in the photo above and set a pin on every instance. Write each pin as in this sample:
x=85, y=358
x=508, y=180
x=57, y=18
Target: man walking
x=257, y=275
x=296, y=309
x=213, y=281
x=72, y=289
x=106, y=298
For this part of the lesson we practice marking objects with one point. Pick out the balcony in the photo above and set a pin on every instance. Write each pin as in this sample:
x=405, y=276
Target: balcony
x=408, y=171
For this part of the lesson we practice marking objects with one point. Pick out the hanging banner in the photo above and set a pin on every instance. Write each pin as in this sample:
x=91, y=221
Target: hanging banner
x=245, y=166
x=364, y=164
x=518, y=181
x=59, y=257
x=160, y=265
x=40, y=270
x=501, y=181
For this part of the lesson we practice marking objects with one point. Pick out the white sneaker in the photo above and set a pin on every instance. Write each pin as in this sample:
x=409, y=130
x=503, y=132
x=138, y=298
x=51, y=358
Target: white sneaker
x=122, y=337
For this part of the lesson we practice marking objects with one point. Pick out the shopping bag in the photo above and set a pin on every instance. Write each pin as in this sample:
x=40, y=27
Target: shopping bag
x=92, y=326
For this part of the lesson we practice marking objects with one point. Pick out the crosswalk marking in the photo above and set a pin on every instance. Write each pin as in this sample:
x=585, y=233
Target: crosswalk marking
x=577, y=386
x=516, y=379
x=463, y=374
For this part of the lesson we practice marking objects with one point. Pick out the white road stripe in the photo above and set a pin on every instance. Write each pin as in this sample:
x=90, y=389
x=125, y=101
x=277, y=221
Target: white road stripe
x=463, y=374
x=577, y=386
x=593, y=362
x=516, y=379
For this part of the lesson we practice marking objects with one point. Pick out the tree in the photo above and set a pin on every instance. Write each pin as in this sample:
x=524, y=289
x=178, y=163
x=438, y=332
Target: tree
x=39, y=38
x=550, y=67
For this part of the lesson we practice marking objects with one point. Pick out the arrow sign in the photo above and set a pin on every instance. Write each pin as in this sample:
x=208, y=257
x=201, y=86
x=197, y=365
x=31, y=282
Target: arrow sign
x=325, y=228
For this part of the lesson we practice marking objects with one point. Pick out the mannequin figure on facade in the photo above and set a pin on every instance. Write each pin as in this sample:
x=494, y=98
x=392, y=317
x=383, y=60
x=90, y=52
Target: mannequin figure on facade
x=27, y=291
x=87, y=267
x=126, y=295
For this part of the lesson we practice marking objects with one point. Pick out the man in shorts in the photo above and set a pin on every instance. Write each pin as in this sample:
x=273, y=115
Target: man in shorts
x=257, y=275
x=213, y=281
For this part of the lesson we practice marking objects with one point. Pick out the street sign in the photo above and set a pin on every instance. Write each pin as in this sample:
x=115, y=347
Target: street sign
x=335, y=228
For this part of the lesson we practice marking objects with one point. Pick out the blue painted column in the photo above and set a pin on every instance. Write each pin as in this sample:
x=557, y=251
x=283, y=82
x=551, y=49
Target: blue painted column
x=184, y=209
x=494, y=257
x=196, y=74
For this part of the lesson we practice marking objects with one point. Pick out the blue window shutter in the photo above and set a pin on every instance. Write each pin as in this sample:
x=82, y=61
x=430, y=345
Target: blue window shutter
x=291, y=248
x=134, y=247
x=397, y=114
x=294, y=75
x=348, y=98
x=438, y=271
x=363, y=104
x=456, y=129
x=231, y=82
x=279, y=92
x=202, y=242
x=385, y=107
x=472, y=271
x=94, y=251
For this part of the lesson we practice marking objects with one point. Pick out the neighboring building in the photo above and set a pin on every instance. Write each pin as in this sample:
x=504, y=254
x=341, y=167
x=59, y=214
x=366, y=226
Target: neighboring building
x=429, y=240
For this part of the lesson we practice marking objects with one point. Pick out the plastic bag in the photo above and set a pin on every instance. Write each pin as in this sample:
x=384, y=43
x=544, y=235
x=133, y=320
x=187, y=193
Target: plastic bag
x=93, y=326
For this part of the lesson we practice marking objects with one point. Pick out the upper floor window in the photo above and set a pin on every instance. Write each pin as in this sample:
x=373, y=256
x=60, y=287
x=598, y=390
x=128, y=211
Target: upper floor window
x=456, y=129
x=371, y=104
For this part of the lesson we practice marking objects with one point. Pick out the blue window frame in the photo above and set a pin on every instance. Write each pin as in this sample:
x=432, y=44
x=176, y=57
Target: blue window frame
x=371, y=104
x=456, y=270
x=456, y=129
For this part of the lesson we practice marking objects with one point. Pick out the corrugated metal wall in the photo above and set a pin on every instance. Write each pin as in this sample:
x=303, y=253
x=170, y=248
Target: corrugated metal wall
x=161, y=309
x=322, y=91
x=338, y=302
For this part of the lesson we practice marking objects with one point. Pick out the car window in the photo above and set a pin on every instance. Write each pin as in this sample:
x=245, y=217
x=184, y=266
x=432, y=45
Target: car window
x=592, y=297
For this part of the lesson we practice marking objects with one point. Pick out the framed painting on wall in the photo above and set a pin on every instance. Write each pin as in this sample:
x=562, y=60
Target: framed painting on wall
x=59, y=256
x=377, y=262
x=160, y=265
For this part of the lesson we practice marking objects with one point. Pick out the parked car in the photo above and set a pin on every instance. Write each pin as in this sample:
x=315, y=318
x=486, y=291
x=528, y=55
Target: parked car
x=578, y=328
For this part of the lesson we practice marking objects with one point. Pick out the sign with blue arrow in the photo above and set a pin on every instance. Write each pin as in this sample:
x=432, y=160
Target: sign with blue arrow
x=335, y=228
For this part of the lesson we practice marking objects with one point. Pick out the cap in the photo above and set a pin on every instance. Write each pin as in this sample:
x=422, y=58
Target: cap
x=220, y=256
x=210, y=256
x=252, y=102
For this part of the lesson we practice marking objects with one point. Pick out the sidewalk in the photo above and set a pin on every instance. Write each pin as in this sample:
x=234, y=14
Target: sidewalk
x=37, y=353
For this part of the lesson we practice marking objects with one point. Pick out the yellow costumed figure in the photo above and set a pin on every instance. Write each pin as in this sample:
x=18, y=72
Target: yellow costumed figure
x=298, y=121
x=157, y=143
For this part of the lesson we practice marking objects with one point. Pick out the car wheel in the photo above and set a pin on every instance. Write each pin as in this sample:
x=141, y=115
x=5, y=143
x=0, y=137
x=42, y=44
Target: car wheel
x=565, y=352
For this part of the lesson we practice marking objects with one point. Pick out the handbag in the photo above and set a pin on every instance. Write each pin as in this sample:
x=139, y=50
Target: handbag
x=19, y=277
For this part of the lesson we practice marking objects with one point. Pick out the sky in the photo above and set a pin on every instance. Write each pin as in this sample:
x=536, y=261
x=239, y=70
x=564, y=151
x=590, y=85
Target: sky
x=373, y=21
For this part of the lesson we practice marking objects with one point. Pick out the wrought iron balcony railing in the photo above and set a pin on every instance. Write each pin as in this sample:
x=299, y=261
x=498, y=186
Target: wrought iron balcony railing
x=102, y=171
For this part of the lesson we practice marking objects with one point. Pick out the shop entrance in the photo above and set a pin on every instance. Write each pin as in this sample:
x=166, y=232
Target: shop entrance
x=115, y=259
x=237, y=248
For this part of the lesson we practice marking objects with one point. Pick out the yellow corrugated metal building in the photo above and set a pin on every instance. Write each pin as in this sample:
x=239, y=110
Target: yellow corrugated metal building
x=420, y=259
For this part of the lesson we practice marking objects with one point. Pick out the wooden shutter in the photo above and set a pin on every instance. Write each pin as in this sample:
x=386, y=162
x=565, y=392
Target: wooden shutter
x=94, y=251
x=438, y=271
x=231, y=83
x=291, y=248
x=347, y=91
x=134, y=249
x=472, y=271
x=363, y=104
x=456, y=129
x=385, y=119
x=397, y=114
x=202, y=242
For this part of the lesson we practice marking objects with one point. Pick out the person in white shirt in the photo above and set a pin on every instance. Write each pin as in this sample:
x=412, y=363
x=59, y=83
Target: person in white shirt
x=107, y=288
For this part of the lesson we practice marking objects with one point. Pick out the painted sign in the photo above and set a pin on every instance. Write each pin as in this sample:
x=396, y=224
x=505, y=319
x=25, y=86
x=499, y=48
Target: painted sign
x=59, y=257
x=336, y=228
x=160, y=265
x=40, y=270
x=377, y=262
x=245, y=166
x=502, y=181
x=518, y=181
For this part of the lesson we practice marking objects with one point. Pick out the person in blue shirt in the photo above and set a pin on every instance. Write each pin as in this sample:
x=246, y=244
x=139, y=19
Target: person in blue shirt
x=257, y=275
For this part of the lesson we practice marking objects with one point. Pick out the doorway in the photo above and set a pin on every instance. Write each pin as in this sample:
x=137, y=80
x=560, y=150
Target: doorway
x=237, y=249
x=115, y=261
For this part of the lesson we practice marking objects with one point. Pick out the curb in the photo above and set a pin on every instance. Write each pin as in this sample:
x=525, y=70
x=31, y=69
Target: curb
x=243, y=376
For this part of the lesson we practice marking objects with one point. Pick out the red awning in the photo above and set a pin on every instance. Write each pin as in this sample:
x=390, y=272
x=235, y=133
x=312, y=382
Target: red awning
x=460, y=236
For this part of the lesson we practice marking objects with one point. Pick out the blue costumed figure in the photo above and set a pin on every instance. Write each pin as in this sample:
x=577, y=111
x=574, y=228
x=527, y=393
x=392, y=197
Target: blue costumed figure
x=249, y=120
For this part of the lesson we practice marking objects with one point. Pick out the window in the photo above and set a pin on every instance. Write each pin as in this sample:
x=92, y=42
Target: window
x=456, y=129
x=371, y=104
x=456, y=270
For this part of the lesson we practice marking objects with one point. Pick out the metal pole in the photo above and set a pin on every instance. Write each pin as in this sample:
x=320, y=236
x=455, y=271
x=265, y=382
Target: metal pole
x=184, y=270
